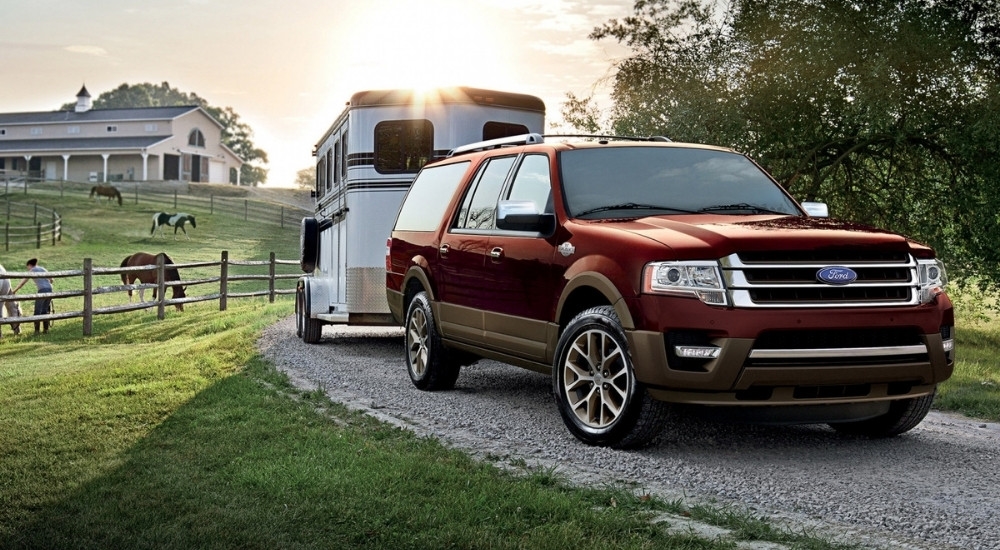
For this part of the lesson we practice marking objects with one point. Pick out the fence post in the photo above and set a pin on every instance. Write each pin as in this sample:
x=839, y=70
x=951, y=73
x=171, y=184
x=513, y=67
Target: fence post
x=35, y=219
x=6, y=237
x=270, y=281
x=88, y=296
x=53, y=228
x=223, y=280
x=211, y=204
x=136, y=187
x=161, y=287
x=175, y=199
x=282, y=217
x=38, y=235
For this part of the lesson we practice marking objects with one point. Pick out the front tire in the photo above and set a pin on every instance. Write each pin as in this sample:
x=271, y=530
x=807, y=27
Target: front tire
x=594, y=382
x=903, y=416
x=429, y=363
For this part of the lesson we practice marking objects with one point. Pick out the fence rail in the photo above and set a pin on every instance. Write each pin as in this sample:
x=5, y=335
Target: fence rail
x=88, y=291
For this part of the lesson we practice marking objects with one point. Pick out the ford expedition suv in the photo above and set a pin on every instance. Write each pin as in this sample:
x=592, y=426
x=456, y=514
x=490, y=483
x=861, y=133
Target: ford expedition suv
x=640, y=273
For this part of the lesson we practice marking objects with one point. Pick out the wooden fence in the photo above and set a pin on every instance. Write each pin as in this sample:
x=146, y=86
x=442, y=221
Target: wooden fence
x=88, y=290
x=173, y=200
x=45, y=225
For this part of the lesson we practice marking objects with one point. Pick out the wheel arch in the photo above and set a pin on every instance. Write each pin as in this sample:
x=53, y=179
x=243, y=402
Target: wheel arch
x=588, y=290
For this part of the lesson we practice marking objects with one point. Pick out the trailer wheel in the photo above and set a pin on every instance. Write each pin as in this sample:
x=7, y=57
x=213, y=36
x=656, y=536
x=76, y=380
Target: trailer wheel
x=594, y=383
x=308, y=244
x=429, y=363
x=310, y=330
x=903, y=416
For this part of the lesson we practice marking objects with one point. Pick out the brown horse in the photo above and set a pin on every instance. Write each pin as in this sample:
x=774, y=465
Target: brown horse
x=109, y=191
x=148, y=276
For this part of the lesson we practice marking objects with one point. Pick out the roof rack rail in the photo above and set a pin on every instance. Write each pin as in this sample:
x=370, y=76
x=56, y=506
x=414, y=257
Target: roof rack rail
x=609, y=137
x=524, y=139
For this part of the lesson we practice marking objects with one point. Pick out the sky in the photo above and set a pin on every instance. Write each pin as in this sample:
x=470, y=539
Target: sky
x=287, y=67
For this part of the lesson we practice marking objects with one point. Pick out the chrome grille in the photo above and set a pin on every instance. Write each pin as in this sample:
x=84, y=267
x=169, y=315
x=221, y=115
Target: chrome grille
x=787, y=279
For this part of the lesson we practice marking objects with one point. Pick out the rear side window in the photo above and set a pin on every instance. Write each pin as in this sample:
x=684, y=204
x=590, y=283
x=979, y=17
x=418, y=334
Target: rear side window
x=403, y=146
x=429, y=196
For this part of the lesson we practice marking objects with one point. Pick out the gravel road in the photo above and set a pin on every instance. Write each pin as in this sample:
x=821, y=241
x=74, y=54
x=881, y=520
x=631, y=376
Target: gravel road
x=935, y=487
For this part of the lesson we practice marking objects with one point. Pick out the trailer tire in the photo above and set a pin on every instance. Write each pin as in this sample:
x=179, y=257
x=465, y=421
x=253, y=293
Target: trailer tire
x=310, y=330
x=308, y=244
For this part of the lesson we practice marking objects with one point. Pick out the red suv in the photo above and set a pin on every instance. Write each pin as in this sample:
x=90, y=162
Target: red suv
x=646, y=272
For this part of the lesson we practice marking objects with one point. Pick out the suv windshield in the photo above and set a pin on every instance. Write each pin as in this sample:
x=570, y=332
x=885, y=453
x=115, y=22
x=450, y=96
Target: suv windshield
x=641, y=181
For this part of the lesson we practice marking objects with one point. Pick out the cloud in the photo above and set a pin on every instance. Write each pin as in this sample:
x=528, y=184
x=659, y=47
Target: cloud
x=96, y=51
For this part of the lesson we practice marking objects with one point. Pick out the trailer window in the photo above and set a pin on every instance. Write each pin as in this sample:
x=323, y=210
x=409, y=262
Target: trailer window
x=329, y=165
x=403, y=145
x=343, y=156
x=429, y=197
x=336, y=163
x=497, y=130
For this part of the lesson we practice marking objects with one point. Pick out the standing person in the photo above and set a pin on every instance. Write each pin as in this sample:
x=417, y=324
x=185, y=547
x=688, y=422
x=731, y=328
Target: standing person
x=12, y=307
x=42, y=305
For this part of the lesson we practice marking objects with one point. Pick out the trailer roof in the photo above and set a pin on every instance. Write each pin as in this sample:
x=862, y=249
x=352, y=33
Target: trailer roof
x=459, y=94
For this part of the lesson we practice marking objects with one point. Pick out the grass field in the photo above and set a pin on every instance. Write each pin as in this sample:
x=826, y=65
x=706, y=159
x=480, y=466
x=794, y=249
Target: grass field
x=175, y=434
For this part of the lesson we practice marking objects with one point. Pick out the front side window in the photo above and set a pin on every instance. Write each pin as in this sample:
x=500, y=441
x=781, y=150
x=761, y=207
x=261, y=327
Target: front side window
x=479, y=207
x=196, y=138
x=403, y=146
x=642, y=181
x=429, y=197
x=531, y=183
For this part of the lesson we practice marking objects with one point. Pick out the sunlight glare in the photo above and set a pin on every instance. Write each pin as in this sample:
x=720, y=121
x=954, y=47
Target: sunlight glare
x=422, y=46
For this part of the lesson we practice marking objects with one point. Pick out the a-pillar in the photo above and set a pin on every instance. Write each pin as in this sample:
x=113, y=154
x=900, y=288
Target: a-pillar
x=105, y=155
x=65, y=167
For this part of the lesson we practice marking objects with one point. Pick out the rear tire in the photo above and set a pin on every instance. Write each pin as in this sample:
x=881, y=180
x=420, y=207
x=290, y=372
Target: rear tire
x=310, y=330
x=594, y=383
x=431, y=366
x=903, y=416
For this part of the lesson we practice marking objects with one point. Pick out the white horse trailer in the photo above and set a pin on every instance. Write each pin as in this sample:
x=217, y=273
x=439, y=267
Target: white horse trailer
x=365, y=163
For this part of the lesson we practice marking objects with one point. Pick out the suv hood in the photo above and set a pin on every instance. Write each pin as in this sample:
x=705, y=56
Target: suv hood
x=726, y=234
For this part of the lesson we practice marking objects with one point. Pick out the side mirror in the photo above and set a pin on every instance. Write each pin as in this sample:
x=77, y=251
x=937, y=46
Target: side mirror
x=816, y=209
x=523, y=216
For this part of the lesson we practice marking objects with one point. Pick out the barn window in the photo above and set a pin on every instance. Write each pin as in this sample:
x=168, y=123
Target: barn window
x=196, y=138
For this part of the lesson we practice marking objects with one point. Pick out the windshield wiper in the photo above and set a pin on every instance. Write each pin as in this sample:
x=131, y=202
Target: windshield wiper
x=741, y=206
x=631, y=206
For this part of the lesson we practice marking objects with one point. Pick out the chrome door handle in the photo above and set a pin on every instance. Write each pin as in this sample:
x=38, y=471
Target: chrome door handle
x=443, y=249
x=496, y=253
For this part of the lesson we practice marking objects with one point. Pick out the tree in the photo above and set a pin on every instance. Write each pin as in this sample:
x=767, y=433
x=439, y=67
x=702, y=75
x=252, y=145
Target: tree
x=306, y=178
x=236, y=134
x=886, y=109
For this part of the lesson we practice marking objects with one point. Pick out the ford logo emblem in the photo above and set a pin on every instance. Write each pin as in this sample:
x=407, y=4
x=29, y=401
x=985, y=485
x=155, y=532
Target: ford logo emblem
x=836, y=275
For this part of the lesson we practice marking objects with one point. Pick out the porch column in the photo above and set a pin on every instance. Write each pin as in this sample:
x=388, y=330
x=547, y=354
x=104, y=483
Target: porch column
x=105, y=155
x=65, y=167
x=145, y=165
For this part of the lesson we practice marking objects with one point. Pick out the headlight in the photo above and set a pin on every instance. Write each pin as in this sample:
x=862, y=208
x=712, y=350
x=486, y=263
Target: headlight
x=932, y=279
x=701, y=279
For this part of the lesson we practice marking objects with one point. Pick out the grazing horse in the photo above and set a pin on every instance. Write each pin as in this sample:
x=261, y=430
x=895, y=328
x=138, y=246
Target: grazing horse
x=13, y=308
x=109, y=191
x=148, y=276
x=176, y=221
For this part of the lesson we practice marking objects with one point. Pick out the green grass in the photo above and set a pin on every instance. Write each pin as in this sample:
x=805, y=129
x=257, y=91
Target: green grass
x=974, y=387
x=176, y=434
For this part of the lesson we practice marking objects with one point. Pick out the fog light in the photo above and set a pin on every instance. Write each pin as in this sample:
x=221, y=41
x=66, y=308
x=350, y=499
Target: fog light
x=697, y=352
